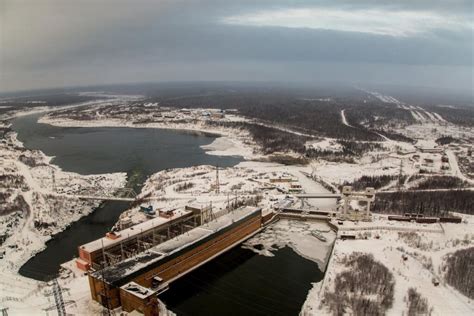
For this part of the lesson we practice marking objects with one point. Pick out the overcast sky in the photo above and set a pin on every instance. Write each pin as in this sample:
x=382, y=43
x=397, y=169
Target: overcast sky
x=55, y=43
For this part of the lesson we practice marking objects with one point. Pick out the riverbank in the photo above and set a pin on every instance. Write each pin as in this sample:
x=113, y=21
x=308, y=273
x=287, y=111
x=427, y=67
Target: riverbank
x=34, y=211
x=34, y=203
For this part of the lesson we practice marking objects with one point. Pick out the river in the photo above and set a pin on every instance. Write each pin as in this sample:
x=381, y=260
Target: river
x=138, y=151
x=239, y=282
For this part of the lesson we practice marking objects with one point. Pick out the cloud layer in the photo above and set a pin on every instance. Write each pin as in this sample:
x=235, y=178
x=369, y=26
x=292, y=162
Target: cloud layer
x=371, y=21
x=51, y=43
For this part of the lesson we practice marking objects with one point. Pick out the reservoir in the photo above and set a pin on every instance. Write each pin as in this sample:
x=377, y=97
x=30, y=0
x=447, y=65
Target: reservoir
x=138, y=151
x=239, y=282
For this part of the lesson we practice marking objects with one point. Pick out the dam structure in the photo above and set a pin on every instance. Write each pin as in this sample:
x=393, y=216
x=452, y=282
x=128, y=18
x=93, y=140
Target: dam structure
x=135, y=282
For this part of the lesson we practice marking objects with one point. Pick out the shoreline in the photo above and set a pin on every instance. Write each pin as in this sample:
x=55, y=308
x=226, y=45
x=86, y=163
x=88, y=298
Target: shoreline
x=228, y=142
x=32, y=175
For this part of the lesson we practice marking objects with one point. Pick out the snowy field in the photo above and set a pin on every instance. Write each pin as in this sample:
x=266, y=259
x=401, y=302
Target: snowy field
x=425, y=257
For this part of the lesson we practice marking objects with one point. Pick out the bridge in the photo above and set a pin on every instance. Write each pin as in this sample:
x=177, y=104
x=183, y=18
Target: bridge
x=317, y=195
x=337, y=195
x=113, y=198
x=120, y=194
x=128, y=195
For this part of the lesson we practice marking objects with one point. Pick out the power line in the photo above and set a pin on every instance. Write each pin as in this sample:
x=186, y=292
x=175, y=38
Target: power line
x=58, y=298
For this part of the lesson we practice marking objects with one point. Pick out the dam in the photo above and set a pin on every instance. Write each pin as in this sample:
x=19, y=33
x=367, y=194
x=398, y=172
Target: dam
x=136, y=282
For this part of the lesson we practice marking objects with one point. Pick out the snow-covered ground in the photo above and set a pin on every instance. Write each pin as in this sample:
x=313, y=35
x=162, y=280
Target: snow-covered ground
x=33, y=210
x=425, y=258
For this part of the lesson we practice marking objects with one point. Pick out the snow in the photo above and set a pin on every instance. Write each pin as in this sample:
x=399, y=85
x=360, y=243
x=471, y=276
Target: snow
x=22, y=295
x=131, y=232
x=248, y=179
x=419, y=114
x=389, y=248
x=297, y=235
x=228, y=146
x=325, y=144
x=344, y=119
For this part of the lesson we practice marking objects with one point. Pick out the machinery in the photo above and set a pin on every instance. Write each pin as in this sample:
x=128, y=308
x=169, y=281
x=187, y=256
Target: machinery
x=147, y=210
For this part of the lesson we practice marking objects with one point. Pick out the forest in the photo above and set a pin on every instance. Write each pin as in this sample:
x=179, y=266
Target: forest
x=365, y=288
x=269, y=139
x=440, y=182
x=427, y=203
x=286, y=108
x=375, y=182
x=459, y=269
x=417, y=304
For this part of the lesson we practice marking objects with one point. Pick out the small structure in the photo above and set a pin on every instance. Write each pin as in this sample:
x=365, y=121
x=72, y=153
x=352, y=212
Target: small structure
x=348, y=195
x=133, y=296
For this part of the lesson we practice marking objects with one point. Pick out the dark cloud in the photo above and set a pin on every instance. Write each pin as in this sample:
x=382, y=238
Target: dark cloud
x=46, y=43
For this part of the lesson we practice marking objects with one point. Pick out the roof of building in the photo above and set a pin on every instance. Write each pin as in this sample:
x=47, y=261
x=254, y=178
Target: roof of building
x=167, y=250
x=131, y=232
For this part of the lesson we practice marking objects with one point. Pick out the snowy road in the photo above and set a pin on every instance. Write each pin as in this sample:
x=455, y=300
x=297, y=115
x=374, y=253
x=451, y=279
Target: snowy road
x=344, y=119
x=453, y=162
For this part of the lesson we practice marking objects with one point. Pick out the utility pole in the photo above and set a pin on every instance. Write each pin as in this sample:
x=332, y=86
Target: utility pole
x=53, y=180
x=217, y=180
x=106, y=311
x=400, y=175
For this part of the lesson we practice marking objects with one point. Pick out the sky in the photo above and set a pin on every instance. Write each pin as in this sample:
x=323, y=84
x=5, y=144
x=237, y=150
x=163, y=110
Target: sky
x=62, y=43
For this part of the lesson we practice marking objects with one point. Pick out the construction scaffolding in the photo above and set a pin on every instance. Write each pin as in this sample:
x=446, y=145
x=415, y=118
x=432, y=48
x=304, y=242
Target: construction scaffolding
x=140, y=242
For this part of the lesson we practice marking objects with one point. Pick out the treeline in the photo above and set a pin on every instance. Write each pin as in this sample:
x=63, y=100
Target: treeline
x=57, y=99
x=9, y=205
x=466, y=166
x=461, y=115
x=269, y=139
x=350, y=150
x=359, y=148
x=460, y=271
x=245, y=201
x=417, y=304
x=284, y=108
x=378, y=115
x=434, y=203
x=444, y=140
x=273, y=140
x=375, y=182
x=13, y=181
x=441, y=182
x=329, y=155
x=366, y=288
x=4, y=131
x=395, y=136
x=183, y=186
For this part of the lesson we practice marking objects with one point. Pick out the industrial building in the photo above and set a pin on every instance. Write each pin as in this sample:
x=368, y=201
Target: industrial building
x=117, y=246
x=135, y=282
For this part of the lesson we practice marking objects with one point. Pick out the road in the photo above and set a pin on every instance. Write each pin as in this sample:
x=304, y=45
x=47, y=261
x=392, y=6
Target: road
x=453, y=162
x=344, y=119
